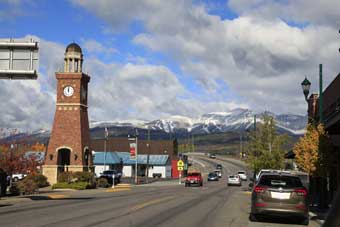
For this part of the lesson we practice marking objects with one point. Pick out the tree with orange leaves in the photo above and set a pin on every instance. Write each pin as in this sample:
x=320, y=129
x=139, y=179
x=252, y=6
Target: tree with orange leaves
x=312, y=151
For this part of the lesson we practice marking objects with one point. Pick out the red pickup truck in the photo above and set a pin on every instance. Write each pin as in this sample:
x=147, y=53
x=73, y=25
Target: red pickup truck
x=194, y=178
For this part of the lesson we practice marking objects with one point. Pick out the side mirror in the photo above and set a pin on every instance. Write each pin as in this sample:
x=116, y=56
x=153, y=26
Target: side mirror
x=251, y=185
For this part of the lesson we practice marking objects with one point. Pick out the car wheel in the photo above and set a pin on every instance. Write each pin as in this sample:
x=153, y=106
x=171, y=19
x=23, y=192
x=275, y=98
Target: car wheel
x=186, y=185
x=305, y=221
x=201, y=184
x=252, y=217
x=15, y=179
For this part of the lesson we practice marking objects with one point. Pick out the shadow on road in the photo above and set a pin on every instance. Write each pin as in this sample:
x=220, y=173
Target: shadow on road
x=39, y=197
x=277, y=220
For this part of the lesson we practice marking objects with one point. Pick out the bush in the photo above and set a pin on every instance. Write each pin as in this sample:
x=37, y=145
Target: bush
x=84, y=177
x=39, y=179
x=75, y=185
x=102, y=183
x=14, y=190
x=27, y=186
x=65, y=177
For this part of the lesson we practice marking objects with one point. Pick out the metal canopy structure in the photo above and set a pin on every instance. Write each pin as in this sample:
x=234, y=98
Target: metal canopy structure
x=19, y=59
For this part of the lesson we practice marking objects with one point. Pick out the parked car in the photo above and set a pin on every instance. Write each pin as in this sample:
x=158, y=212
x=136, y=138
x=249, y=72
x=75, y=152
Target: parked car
x=218, y=172
x=219, y=166
x=212, y=177
x=18, y=176
x=194, y=178
x=279, y=194
x=107, y=174
x=242, y=175
x=234, y=180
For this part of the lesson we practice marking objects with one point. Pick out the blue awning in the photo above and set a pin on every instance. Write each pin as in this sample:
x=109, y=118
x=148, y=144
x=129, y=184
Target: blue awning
x=117, y=157
x=111, y=158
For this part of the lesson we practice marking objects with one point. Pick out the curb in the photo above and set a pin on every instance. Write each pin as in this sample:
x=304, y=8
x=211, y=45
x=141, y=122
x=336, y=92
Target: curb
x=313, y=217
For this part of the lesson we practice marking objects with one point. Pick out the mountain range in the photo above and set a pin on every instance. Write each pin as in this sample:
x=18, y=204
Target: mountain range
x=237, y=120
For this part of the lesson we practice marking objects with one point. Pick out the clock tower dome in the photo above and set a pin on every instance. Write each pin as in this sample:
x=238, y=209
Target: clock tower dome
x=69, y=144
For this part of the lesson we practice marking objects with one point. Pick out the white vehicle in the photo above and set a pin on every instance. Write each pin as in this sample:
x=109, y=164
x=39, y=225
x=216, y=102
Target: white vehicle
x=18, y=176
x=218, y=172
x=234, y=180
x=242, y=175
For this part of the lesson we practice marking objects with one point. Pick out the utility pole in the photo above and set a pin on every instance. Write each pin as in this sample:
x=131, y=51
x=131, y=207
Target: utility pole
x=147, y=157
x=255, y=147
x=105, y=139
x=136, y=163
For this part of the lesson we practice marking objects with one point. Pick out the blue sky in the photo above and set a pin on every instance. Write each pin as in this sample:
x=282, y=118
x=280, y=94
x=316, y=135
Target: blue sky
x=198, y=56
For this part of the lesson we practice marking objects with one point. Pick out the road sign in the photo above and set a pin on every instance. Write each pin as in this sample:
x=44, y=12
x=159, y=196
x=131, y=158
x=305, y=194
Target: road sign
x=179, y=168
x=180, y=163
x=18, y=59
x=133, y=151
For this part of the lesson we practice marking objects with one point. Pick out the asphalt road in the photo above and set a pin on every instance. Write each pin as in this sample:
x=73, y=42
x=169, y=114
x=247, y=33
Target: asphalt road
x=159, y=204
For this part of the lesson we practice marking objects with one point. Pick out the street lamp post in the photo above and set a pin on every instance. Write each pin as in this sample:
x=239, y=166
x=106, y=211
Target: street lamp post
x=305, y=87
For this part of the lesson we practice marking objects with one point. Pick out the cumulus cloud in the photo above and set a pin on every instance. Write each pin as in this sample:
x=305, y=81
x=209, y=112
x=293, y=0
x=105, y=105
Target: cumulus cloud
x=319, y=12
x=260, y=55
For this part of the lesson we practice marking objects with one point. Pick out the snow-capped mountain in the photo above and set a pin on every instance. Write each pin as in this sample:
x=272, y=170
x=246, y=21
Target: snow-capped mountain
x=235, y=120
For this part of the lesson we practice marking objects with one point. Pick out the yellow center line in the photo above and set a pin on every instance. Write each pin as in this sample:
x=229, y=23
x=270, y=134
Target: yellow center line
x=151, y=202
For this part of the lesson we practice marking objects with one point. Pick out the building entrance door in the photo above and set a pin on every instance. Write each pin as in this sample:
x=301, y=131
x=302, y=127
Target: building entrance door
x=63, y=159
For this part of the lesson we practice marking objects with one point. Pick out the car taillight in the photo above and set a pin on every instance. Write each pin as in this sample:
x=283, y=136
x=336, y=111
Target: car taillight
x=259, y=189
x=301, y=192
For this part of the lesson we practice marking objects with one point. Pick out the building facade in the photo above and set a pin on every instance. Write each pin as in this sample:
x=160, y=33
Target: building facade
x=159, y=147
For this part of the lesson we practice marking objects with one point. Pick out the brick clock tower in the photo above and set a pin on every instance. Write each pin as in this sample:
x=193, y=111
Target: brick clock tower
x=69, y=144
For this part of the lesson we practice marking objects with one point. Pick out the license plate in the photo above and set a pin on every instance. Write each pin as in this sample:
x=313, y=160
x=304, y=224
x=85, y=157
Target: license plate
x=192, y=181
x=280, y=195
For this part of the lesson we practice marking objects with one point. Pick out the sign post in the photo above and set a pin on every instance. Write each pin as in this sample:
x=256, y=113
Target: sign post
x=19, y=59
x=180, y=166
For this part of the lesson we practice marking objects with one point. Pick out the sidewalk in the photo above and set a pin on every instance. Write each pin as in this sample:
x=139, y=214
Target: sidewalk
x=318, y=215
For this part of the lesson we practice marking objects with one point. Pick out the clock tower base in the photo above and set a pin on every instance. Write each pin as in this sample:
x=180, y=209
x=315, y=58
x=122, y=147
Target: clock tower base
x=51, y=171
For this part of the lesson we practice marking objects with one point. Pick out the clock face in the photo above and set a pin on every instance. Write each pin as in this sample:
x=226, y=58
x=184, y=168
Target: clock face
x=68, y=91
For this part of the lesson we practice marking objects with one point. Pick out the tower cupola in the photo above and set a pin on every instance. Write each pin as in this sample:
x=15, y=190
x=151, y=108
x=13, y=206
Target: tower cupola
x=73, y=60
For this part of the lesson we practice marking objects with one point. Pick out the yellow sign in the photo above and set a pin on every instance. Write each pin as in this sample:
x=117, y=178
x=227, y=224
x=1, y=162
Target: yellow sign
x=180, y=163
x=179, y=168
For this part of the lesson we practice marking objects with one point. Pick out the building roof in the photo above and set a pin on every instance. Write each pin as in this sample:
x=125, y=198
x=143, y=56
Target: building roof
x=117, y=157
x=73, y=47
x=111, y=158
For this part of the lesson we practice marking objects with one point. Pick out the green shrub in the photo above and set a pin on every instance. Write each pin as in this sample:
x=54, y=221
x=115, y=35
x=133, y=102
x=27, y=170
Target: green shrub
x=39, y=179
x=84, y=177
x=65, y=177
x=102, y=183
x=27, y=186
x=14, y=190
x=75, y=185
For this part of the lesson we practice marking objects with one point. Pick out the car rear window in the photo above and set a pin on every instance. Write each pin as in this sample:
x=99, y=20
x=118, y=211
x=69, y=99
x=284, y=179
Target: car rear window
x=241, y=172
x=194, y=174
x=277, y=181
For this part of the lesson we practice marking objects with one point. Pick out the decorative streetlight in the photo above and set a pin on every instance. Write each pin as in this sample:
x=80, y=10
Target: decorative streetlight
x=305, y=87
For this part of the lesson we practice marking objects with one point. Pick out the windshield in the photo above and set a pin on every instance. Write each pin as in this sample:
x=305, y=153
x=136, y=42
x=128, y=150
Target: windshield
x=277, y=181
x=194, y=174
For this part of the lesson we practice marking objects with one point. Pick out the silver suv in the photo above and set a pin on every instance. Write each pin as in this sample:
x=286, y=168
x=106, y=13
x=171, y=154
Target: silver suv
x=279, y=194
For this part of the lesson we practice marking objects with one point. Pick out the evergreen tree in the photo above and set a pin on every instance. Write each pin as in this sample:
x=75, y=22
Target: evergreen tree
x=265, y=149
